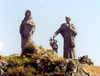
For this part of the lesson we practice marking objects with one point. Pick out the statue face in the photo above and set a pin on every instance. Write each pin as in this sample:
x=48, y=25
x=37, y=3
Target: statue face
x=67, y=19
x=28, y=13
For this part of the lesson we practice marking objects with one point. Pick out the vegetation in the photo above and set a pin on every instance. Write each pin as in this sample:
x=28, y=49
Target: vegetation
x=41, y=62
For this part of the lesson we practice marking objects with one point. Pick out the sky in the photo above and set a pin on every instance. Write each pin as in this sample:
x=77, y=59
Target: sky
x=48, y=16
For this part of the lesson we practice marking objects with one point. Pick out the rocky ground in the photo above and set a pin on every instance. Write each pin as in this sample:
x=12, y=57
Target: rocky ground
x=43, y=62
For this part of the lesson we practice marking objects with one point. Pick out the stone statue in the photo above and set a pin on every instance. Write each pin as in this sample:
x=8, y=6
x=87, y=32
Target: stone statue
x=53, y=44
x=27, y=28
x=68, y=32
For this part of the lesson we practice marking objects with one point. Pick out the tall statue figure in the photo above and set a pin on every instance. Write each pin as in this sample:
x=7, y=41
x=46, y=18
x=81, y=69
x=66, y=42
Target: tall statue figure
x=27, y=28
x=68, y=32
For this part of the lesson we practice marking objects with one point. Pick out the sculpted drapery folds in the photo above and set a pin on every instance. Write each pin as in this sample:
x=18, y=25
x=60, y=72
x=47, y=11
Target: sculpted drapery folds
x=27, y=28
x=68, y=32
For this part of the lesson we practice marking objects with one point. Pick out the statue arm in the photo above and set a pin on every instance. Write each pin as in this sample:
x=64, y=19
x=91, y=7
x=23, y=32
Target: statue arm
x=32, y=29
x=32, y=23
x=58, y=31
x=73, y=29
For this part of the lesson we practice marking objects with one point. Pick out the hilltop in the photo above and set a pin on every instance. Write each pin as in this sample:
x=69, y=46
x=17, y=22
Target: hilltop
x=43, y=62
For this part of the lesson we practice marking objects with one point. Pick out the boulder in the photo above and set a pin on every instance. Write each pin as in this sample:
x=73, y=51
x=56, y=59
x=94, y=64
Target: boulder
x=74, y=68
x=85, y=60
x=3, y=68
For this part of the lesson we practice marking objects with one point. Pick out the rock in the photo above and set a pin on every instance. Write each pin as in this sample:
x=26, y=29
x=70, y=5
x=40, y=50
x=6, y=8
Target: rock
x=71, y=66
x=2, y=73
x=85, y=60
x=74, y=68
x=47, y=63
x=3, y=68
x=82, y=71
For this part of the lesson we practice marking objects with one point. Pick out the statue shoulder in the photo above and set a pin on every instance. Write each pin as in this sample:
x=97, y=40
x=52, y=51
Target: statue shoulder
x=73, y=25
x=31, y=21
x=63, y=24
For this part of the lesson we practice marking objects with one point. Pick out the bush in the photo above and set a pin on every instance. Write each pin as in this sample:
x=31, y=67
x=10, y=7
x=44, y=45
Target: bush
x=29, y=49
x=21, y=71
x=17, y=61
x=41, y=47
x=41, y=62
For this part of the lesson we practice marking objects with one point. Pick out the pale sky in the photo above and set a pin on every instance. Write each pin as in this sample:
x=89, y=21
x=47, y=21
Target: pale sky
x=49, y=15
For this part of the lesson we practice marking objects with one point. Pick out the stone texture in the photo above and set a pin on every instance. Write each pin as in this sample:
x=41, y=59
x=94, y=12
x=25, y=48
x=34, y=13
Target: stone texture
x=53, y=44
x=3, y=68
x=85, y=60
x=74, y=68
x=68, y=32
x=27, y=28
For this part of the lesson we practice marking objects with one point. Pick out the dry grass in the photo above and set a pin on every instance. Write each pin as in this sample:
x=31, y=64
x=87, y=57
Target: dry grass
x=94, y=70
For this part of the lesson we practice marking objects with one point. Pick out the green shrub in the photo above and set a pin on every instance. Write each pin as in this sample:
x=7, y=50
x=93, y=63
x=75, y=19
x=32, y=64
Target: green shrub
x=41, y=61
x=41, y=47
x=17, y=61
x=29, y=49
x=21, y=71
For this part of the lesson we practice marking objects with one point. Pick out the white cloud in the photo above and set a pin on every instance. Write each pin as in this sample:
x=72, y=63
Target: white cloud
x=1, y=45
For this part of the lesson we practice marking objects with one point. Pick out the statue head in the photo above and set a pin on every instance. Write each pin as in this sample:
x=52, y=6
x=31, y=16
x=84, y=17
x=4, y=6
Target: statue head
x=27, y=13
x=68, y=19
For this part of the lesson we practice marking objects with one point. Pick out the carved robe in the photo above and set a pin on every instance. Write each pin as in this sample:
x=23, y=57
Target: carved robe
x=27, y=29
x=68, y=32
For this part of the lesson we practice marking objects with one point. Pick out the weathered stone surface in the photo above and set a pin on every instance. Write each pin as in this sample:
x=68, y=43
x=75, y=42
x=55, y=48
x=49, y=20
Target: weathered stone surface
x=3, y=68
x=85, y=60
x=74, y=68
x=71, y=66
x=68, y=32
x=53, y=44
x=27, y=29
x=47, y=63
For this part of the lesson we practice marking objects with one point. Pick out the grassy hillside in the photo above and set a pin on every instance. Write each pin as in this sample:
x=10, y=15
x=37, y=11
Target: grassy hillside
x=45, y=63
x=94, y=70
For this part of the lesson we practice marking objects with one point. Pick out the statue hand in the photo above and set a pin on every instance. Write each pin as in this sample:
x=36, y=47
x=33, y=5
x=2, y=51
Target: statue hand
x=54, y=36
